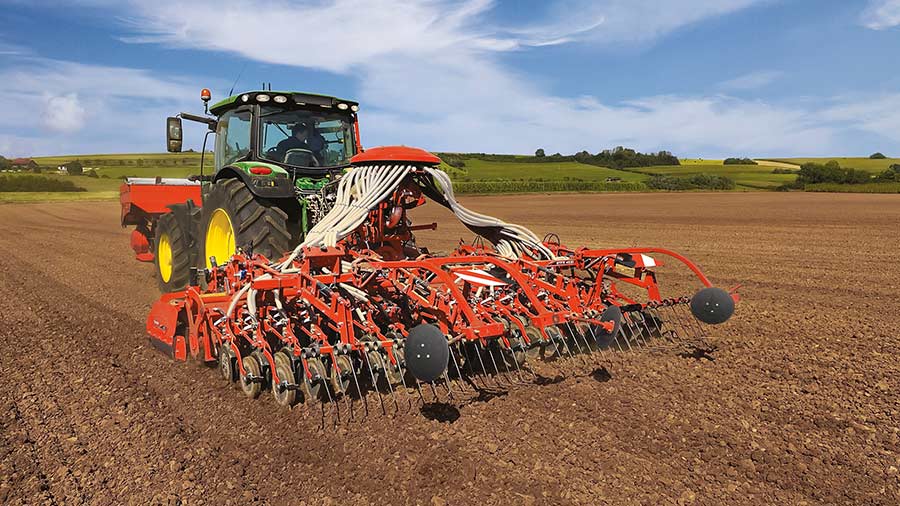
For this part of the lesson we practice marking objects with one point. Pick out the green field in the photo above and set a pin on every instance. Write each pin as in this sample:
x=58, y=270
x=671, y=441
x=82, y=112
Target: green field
x=866, y=164
x=699, y=161
x=480, y=170
x=745, y=176
x=97, y=189
x=854, y=188
x=477, y=176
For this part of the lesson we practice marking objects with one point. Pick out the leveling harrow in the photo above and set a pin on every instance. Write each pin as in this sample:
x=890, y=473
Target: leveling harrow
x=358, y=308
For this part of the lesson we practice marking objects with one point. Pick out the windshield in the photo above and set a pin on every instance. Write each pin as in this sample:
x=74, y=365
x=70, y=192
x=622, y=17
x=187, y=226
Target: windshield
x=305, y=138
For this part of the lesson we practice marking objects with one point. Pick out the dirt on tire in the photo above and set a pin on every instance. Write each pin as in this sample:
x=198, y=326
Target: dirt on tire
x=794, y=401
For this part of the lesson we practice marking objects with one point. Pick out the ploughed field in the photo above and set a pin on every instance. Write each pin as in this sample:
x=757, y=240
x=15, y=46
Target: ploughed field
x=794, y=401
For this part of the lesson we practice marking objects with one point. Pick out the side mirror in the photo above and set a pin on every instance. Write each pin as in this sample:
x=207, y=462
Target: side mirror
x=173, y=135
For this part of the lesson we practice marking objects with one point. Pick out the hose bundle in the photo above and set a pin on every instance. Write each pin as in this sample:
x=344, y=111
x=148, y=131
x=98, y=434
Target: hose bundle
x=364, y=187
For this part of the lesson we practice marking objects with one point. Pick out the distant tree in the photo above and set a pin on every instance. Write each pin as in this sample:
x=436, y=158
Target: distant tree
x=74, y=168
x=831, y=172
x=36, y=169
x=877, y=156
x=5, y=164
x=739, y=161
x=92, y=173
x=540, y=153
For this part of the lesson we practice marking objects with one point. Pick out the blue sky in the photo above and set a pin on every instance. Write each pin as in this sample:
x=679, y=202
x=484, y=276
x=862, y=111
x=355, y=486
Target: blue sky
x=702, y=78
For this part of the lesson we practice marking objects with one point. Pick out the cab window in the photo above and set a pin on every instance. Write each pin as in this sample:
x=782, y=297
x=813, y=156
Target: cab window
x=232, y=137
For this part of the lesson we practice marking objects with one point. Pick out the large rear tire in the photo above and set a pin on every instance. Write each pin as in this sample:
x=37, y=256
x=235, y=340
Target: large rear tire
x=172, y=254
x=235, y=218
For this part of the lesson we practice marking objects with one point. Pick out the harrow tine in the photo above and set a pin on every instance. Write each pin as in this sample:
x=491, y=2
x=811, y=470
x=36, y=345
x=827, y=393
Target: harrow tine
x=654, y=345
x=680, y=323
x=659, y=321
x=471, y=365
x=359, y=391
x=587, y=345
x=450, y=395
x=385, y=362
x=635, y=333
x=565, y=343
x=515, y=361
x=478, y=353
x=459, y=372
x=594, y=337
x=503, y=362
x=406, y=388
x=695, y=325
x=332, y=400
x=375, y=384
x=574, y=337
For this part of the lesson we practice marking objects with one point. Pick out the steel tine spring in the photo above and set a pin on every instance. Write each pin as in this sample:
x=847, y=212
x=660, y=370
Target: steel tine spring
x=654, y=344
x=508, y=374
x=519, y=377
x=565, y=342
x=478, y=352
x=587, y=345
x=406, y=389
x=419, y=389
x=594, y=337
x=660, y=322
x=684, y=332
x=483, y=369
x=386, y=362
x=459, y=373
x=616, y=339
x=332, y=400
x=434, y=391
x=450, y=395
x=470, y=365
x=375, y=384
x=635, y=331
x=694, y=323
x=359, y=391
x=496, y=376
x=574, y=336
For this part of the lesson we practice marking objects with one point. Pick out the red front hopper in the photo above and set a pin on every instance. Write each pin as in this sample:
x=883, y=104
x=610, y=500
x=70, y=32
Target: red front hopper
x=144, y=200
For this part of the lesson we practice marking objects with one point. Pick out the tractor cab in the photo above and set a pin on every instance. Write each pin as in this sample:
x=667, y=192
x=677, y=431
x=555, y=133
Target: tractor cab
x=302, y=133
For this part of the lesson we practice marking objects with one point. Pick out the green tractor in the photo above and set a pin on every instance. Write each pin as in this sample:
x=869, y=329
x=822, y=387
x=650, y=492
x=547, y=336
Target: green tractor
x=275, y=153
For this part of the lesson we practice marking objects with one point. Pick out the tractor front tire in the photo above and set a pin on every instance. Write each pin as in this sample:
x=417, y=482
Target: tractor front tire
x=235, y=218
x=172, y=254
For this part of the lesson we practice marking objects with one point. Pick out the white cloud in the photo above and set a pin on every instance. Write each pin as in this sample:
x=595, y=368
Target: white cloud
x=63, y=113
x=878, y=114
x=881, y=14
x=430, y=73
x=633, y=21
x=752, y=81
x=61, y=107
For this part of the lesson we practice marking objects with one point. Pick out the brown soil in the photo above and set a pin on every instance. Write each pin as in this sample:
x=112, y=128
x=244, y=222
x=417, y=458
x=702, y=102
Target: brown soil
x=796, y=404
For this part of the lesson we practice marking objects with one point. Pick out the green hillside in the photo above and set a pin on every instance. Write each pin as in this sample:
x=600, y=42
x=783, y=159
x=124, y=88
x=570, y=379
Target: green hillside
x=862, y=163
x=745, y=176
x=481, y=170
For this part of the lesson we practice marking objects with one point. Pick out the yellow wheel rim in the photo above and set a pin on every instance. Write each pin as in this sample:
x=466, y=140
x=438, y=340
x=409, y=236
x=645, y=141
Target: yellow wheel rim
x=219, y=238
x=164, y=257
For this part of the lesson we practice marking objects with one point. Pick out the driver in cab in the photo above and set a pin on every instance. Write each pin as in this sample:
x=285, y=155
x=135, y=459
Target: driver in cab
x=302, y=137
